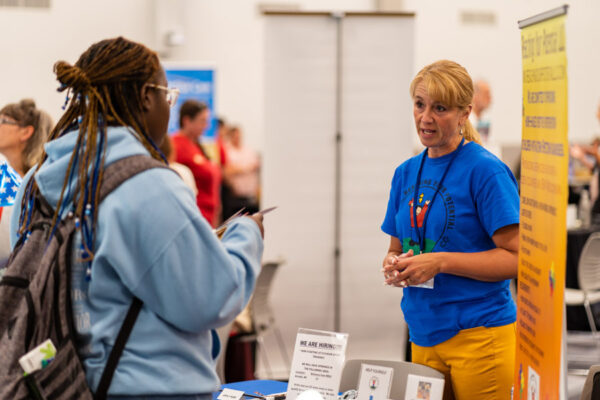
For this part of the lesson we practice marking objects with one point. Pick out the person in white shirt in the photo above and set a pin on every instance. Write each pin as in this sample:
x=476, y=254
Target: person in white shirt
x=482, y=99
x=241, y=173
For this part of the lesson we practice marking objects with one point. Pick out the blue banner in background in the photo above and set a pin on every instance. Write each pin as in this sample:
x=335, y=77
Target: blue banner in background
x=195, y=84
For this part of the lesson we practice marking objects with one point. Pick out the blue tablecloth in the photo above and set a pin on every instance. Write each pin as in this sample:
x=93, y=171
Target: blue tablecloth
x=256, y=388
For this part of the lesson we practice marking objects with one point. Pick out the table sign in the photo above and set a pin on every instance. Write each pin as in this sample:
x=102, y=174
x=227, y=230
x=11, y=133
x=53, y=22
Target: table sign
x=375, y=382
x=230, y=394
x=423, y=388
x=317, y=363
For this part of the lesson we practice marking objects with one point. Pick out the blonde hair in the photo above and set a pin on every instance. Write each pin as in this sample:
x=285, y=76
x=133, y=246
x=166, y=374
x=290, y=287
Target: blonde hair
x=26, y=113
x=451, y=84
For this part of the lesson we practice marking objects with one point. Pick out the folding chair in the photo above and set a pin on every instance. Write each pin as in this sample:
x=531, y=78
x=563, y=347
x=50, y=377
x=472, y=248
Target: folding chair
x=223, y=333
x=591, y=387
x=589, y=293
x=264, y=319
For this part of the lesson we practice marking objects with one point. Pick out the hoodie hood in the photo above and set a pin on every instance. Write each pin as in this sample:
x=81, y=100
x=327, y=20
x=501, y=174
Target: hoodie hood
x=50, y=177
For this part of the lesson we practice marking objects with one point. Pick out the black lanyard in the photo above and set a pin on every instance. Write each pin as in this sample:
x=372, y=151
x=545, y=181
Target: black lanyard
x=437, y=189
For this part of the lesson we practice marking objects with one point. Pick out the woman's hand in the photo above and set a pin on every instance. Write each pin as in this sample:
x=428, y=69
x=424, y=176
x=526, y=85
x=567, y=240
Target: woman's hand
x=392, y=268
x=410, y=270
x=258, y=218
x=492, y=265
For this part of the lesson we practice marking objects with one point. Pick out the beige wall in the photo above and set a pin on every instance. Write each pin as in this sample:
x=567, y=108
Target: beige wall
x=493, y=52
x=223, y=33
x=229, y=35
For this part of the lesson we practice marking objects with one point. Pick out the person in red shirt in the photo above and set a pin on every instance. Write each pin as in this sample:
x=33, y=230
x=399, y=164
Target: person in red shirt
x=220, y=142
x=194, y=118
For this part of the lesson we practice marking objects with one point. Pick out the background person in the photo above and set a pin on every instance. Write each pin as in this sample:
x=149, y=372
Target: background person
x=241, y=175
x=23, y=130
x=453, y=217
x=482, y=98
x=220, y=142
x=189, y=281
x=184, y=172
x=589, y=157
x=194, y=119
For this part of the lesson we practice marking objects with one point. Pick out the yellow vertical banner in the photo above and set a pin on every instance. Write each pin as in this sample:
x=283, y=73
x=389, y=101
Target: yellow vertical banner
x=544, y=192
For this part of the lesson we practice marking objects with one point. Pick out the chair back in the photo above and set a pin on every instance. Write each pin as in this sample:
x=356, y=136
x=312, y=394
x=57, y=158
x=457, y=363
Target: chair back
x=589, y=264
x=352, y=368
x=262, y=314
x=223, y=333
x=591, y=387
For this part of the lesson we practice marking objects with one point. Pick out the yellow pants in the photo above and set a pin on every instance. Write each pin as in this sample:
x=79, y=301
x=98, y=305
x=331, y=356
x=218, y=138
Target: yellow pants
x=478, y=363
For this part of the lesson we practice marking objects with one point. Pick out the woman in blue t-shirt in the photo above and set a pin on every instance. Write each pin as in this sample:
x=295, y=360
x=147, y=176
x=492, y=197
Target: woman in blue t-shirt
x=453, y=216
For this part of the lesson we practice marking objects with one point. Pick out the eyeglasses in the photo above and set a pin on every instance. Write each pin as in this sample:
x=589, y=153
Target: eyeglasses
x=172, y=93
x=6, y=121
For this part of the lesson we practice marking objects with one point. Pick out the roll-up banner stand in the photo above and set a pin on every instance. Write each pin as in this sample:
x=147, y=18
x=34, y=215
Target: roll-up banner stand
x=544, y=191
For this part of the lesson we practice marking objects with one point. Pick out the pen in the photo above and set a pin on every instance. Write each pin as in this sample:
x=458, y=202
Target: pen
x=266, y=210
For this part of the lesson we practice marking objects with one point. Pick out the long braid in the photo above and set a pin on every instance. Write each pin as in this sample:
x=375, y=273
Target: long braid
x=103, y=89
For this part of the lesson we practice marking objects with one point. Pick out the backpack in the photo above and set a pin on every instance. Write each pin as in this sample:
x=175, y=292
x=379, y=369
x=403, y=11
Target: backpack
x=35, y=304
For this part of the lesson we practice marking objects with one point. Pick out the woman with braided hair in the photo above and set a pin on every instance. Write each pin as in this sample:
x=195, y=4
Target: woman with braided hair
x=146, y=239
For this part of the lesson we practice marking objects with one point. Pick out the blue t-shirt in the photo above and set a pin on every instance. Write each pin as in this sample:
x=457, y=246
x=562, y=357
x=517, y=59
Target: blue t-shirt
x=477, y=197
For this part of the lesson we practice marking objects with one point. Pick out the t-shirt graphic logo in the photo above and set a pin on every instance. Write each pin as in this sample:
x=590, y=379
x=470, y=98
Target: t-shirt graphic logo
x=373, y=382
x=438, y=225
x=421, y=211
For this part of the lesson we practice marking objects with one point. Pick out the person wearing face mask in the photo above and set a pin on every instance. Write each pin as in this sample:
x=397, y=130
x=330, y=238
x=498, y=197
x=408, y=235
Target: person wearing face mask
x=145, y=240
x=452, y=217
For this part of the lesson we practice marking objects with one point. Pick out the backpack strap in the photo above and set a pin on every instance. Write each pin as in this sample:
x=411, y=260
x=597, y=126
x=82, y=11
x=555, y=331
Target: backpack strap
x=117, y=350
x=115, y=174
x=125, y=168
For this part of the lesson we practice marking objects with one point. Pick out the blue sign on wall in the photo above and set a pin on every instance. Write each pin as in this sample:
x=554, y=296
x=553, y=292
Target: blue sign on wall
x=195, y=84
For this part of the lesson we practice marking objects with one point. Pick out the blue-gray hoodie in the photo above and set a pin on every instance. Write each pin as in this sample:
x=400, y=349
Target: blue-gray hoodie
x=153, y=243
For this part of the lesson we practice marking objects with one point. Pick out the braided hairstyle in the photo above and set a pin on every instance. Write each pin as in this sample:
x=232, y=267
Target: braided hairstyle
x=26, y=113
x=103, y=89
